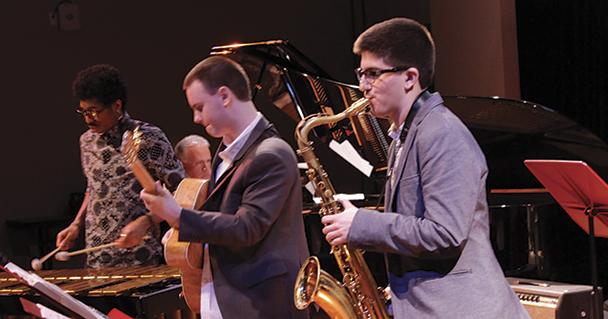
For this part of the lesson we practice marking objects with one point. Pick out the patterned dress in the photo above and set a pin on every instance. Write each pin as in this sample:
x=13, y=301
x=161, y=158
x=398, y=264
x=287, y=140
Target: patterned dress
x=114, y=192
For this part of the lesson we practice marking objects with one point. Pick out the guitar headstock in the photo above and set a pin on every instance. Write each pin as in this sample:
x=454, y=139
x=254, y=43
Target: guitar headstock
x=131, y=141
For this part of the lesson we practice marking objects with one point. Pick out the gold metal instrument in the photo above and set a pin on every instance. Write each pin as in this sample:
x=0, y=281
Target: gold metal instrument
x=357, y=296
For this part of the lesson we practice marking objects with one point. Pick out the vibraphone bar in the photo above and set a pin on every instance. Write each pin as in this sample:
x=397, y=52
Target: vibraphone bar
x=140, y=292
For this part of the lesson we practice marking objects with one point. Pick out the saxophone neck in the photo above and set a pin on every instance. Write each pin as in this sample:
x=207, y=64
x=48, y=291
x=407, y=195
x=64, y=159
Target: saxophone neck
x=307, y=124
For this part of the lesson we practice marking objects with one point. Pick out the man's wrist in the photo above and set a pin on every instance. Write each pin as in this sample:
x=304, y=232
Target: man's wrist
x=175, y=220
x=152, y=220
x=152, y=224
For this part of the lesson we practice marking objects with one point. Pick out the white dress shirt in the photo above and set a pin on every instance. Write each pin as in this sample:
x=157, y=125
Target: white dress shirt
x=395, y=133
x=209, y=306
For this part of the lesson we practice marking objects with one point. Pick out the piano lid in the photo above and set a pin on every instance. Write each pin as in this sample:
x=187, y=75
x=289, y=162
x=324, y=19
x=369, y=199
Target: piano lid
x=288, y=86
x=279, y=52
x=510, y=131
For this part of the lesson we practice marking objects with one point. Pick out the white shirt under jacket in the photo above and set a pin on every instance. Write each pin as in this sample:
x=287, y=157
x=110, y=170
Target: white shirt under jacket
x=209, y=306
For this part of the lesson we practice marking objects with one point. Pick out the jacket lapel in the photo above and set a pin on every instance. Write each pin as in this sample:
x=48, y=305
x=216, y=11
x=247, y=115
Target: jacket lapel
x=252, y=140
x=214, y=164
x=427, y=103
x=388, y=191
x=398, y=171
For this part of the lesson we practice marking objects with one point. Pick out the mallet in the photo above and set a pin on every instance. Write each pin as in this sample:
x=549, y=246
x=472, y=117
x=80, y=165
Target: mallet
x=37, y=263
x=65, y=255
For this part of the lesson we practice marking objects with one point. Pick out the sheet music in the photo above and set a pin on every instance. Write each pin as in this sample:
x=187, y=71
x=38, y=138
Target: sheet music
x=55, y=293
x=348, y=152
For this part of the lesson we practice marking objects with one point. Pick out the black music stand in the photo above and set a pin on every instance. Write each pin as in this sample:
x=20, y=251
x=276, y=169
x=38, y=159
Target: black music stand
x=584, y=196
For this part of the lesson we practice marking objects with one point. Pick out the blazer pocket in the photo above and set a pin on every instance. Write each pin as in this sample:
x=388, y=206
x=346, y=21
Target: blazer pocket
x=261, y=272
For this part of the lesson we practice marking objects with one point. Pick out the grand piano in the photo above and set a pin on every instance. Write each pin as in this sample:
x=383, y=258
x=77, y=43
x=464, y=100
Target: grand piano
x=288, y=86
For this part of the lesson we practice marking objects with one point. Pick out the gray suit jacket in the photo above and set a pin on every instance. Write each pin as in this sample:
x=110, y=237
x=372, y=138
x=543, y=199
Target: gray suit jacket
x=252, y=220
x=435, y=229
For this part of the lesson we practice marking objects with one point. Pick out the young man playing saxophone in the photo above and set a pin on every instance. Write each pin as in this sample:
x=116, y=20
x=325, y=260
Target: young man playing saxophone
x=435, y=228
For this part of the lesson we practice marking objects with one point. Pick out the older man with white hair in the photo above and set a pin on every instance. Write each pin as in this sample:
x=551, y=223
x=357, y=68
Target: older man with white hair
x=193, y=151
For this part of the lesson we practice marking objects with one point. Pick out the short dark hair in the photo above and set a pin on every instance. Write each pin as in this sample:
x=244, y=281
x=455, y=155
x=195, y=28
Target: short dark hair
x=217, y=71
x=102, y=82
x=401, y=42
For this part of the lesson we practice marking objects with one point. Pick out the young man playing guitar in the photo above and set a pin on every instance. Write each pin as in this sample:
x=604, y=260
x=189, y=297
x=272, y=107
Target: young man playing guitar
x=251, y=223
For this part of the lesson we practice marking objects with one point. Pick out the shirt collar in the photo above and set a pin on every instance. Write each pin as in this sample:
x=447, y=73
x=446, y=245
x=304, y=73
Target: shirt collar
x=114, y=135
x=230, y=152
x=394, y=132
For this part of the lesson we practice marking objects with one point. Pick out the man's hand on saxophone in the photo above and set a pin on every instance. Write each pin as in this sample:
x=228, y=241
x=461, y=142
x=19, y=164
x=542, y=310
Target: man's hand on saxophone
x=337, y=226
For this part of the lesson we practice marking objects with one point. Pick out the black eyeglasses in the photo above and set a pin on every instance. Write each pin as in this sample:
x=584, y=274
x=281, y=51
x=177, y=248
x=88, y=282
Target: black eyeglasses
x=372, y=74
x=92, y=113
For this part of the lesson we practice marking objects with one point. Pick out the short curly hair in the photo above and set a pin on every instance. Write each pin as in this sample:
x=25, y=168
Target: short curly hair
x=102, y=82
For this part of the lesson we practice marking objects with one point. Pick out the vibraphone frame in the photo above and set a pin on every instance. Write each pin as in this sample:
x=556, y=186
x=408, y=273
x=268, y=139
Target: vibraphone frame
x=140, y=292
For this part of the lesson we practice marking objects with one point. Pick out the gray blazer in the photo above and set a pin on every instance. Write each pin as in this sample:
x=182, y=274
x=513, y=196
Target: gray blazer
x=435, y=229
x=252, y=220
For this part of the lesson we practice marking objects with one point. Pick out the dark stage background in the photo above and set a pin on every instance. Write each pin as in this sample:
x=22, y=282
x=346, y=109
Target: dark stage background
x=154, y=44
x=560, y=48
x=563, y=65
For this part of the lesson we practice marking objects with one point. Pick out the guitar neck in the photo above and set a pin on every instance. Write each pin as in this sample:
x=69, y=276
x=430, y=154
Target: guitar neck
x=143, y=176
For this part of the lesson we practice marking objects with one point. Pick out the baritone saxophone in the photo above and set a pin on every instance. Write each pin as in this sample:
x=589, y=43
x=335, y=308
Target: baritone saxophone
x=357, y=296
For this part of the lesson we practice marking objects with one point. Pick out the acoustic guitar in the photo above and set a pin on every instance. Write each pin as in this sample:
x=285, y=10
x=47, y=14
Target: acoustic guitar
x=190, y=193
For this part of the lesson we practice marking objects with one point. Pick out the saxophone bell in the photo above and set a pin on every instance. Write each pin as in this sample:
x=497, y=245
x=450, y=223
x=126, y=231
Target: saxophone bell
x=357, y=296
x=315, y=285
